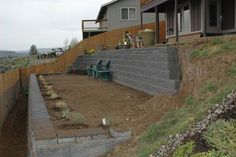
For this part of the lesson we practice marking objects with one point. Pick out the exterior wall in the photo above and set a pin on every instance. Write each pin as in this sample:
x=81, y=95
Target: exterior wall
x=114, y=15
x=195, y=17
x=218, y=29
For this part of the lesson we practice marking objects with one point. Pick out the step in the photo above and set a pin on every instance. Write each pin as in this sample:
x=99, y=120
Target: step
x=162, y=83
x=142, y=86
x=141, y=50
x=147, y=57
x=145, y=64
x=155, y=73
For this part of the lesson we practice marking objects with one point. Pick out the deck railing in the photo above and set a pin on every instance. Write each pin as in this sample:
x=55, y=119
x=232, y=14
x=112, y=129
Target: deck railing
x=144, y=2
x=94, y=25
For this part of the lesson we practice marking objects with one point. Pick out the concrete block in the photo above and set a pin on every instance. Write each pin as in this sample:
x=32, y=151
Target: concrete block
x=66, y=140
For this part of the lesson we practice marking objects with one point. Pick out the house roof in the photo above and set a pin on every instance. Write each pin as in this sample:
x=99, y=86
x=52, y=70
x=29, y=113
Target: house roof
x=103, y=8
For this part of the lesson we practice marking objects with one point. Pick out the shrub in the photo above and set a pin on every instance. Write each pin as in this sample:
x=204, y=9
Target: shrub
x=66, y=114
x=41, y=78
x=207, y=154
x=61, y=106
x=48, y=87
x=50, y=92
x=222, y=136
x=184, y=150
x=54, y=96
x=77, y=118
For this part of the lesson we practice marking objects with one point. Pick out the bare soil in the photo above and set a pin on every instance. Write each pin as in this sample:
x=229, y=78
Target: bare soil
x=95, y=100
x=13, y=139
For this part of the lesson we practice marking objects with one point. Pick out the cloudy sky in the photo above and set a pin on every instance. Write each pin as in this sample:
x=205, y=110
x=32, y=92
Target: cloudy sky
x=46, y=23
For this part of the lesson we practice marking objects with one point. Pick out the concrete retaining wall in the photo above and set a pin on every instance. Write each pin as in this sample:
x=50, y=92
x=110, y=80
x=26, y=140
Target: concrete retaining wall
x=153, y=70
x=45, y=141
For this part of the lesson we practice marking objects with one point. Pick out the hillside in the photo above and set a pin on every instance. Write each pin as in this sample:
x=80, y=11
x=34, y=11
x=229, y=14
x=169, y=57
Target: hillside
x=5, y=53
x=12, y=62
x=208, y=75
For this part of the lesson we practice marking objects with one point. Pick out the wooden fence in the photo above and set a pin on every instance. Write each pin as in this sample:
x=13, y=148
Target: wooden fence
x=10, y=82
x=9, y=90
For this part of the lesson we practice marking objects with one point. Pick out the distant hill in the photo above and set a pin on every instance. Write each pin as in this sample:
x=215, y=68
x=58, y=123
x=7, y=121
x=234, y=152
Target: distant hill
x=40, y=50
x=6, y=53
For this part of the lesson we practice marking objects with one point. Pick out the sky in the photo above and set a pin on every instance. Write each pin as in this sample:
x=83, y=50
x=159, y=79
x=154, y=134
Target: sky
x=45, y=23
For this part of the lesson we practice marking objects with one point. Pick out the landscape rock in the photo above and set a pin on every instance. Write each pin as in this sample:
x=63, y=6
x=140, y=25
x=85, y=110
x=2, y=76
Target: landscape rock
x=215, y=113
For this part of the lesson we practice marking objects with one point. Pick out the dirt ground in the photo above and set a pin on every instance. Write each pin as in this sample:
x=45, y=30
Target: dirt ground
x=13, y=140
x=96, y=99
x=125, y=107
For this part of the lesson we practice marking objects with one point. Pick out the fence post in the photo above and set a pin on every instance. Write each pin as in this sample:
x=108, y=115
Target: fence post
x=1, y=103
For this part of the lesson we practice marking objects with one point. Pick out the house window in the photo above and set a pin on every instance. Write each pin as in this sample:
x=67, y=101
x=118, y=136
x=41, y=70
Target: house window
x=213, y=13
x=128, y=13
x=179, y=20
x=184, y=18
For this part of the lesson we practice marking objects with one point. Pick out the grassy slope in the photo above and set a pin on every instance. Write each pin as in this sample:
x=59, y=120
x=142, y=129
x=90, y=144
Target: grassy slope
x=209, y=74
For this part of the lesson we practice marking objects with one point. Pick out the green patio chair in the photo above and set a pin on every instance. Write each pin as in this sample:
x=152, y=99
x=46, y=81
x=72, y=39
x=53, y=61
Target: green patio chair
x=103, y=72
x=91, y=67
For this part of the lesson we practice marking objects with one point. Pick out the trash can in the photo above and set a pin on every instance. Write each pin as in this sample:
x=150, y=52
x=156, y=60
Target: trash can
x=148, y=37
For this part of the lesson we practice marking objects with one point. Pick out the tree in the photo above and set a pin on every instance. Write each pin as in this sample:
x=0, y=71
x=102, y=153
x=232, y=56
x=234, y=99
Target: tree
x=66, y=42
x=73, y=42
x=33, y=50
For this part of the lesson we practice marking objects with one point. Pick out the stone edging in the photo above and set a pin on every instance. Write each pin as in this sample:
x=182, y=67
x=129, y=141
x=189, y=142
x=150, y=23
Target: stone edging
x=45, y=141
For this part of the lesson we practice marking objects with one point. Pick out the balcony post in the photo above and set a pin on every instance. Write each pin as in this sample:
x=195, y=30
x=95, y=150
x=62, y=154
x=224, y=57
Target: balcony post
x=141, y=15
x=204, y=17
x=176, y=21
x=157, y=25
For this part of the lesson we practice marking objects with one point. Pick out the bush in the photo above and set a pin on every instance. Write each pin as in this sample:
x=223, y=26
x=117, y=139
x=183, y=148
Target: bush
x=77, y=118
x=184, y=150
x=54, y=96
x=222, y=136
x=61, y=106
x=66, y=114
x=48, y=87
x=208, y=154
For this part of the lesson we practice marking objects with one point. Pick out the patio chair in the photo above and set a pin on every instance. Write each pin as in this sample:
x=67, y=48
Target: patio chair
x=104, y=72
x=91, y=67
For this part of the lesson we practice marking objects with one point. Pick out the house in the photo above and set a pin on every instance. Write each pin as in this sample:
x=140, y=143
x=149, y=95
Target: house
x=193, y=18
x=115, y=14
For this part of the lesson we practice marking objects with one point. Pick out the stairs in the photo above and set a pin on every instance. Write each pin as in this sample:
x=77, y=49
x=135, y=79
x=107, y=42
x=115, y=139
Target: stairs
x=152, y=70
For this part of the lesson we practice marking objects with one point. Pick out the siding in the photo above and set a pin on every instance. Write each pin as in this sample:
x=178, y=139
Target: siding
x=196, y=15
x=114, y=15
